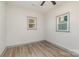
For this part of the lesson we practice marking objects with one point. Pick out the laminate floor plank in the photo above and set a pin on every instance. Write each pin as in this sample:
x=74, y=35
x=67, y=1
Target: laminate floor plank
x=59, y=51
x=37, y=49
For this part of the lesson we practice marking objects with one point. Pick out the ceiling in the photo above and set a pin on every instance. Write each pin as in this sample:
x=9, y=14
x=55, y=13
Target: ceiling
x=35, y=5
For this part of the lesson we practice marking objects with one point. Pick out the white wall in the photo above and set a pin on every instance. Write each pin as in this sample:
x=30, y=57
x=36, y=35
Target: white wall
x=17, y=32
x=2, y=26
x=68, y=40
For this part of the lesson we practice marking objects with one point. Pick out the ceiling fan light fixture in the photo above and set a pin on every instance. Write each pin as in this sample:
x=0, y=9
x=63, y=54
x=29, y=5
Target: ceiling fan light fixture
x=53, y=2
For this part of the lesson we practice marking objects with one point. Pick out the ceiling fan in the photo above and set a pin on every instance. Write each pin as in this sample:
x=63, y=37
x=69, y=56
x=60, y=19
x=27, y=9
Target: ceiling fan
x=53, y=2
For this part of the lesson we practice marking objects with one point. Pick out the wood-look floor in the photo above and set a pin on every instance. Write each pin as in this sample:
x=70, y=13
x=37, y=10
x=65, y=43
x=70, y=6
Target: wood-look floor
x=38, y=49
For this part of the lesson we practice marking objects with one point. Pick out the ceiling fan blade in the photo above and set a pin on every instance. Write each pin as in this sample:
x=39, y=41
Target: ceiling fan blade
x=53, y=2
x=42, y=3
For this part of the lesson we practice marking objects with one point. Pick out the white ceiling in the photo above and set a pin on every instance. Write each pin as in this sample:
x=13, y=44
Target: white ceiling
x=35, y=5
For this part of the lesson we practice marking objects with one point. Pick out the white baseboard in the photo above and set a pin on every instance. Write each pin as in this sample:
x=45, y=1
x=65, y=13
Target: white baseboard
x=2, y=52
x=75, y=50
x=11, y=46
